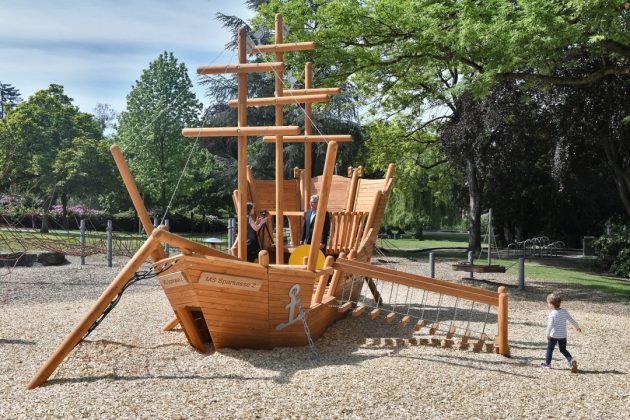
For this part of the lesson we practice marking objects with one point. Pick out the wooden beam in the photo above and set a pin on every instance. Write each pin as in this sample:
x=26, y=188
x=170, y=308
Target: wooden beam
x=329, y=166
x=308, y=131
x=311, y=138
x=352, y=194
x=242, y=148
x=404, y=321
x=345, y=307
x=171, y=324
x=279, y=149
x=420, y=282
x=359, y=310
x=283, y=100
x=281, y=48
x=323, y=281
x=158, y=253
x=240, y=131
x=502, y=322
x=95, y=312
x=313, y=91
x=374, y=313
x=242, y=68
x=183, y=243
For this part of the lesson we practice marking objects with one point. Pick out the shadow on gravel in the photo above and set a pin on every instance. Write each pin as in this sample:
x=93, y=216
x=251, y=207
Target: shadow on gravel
x=601, y=372
x=133, y=346
x=11, y=341
x=131, y=378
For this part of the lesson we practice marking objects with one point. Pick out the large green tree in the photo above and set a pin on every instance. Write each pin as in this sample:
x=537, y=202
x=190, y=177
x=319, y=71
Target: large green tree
x=418, y=57
x=43, y=144
x=425, y=192
x=159, y=105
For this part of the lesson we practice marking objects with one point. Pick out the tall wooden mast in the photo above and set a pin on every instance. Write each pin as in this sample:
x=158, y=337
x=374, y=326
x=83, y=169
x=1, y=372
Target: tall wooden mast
x=279, y=151
x=242, y=148
x=308, y=130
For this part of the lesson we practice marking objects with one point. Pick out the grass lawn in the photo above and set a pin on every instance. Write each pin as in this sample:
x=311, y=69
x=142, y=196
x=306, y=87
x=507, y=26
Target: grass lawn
x=431, y=240
x=577, y=275
x=30, y=240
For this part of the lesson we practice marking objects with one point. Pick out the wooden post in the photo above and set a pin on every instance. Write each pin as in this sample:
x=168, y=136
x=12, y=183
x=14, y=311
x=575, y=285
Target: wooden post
x=279, y=152
x=110, y=250
x=92, y=315
x=337, y=275
x=323, y=281
x=171, y=324
x=82, y=240
x=329, y=166
x=242, y=148
x=502, y=322
x=372, y=216
x=308, y=130
x=167, y=247
x=263, y=258
x=352, y=193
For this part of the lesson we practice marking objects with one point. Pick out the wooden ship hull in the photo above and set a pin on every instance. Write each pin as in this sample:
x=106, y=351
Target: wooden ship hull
x=245, y=305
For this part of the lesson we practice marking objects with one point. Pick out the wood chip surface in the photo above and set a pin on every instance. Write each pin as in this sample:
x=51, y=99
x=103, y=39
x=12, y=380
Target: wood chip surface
x=129, y=368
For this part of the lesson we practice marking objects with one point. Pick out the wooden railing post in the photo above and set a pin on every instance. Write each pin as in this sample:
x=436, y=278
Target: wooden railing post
x=502, y=322
x=323, y=282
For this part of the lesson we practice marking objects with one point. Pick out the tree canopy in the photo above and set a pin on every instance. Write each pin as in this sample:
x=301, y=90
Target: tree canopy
x=50, y=149
x=421, y=61
x=159, y=105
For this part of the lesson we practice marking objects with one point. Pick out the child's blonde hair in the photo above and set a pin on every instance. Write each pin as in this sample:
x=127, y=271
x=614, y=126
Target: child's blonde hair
x=554, y=299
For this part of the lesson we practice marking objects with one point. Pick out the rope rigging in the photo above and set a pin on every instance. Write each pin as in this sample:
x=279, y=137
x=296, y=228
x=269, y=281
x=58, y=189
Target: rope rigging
x=138, y=276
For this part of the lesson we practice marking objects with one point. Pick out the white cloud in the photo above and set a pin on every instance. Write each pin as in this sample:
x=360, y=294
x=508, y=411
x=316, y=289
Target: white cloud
x=182, y=23
x=97, y=49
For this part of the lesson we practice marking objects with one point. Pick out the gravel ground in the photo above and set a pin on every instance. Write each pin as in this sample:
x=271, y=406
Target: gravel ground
x=129, y=368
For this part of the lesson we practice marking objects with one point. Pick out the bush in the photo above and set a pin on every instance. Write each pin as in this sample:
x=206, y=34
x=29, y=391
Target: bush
x=97, y=220
x=614, y=249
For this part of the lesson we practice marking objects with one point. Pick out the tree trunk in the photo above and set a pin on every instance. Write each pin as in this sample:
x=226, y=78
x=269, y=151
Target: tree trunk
x=64, y=210
x=614, y=157
x=475, y=193
x=45, y=228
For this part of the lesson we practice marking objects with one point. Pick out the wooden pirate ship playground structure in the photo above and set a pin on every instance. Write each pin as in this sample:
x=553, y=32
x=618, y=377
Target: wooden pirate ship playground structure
x=221, y=300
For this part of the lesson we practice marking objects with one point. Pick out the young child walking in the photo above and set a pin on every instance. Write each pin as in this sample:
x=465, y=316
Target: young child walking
x=557, y=331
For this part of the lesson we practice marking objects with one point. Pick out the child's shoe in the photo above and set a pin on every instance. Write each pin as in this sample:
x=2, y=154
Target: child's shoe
x=545, y=366
x=573, y=366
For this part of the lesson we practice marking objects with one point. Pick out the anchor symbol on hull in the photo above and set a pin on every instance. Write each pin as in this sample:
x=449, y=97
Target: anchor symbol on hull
x=292, y=306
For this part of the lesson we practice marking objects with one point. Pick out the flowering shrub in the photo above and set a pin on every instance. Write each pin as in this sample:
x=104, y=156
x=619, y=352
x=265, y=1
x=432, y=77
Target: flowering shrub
x=8, y=200
x=79, y=211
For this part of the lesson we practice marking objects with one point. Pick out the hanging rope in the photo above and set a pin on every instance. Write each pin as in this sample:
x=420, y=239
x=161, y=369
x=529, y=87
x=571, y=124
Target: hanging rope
x=138, y=276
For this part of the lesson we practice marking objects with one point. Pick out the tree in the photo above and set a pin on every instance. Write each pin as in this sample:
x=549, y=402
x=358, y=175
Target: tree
x=424, y=191
x=106, y=117
x=83, y=169
x=9, y=98
x=596, y=116
x=418, y=57
x=36, y=147
x=159, y=105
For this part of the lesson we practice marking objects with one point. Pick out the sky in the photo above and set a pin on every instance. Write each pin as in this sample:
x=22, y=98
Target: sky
x=97, y=49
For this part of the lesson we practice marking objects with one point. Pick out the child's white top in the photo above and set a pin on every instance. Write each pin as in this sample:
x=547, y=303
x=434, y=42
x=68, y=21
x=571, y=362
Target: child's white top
x=557, y=324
